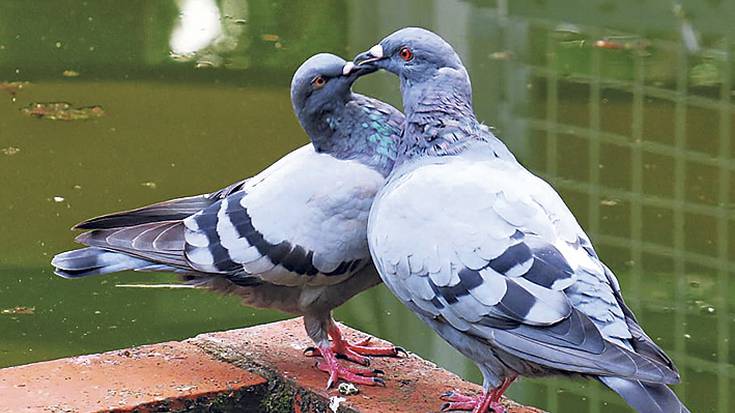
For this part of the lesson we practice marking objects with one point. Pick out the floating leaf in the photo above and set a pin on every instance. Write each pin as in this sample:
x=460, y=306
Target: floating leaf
x=13, y=87
x=623, y=43
x=609, y=44
x=19, y=310
x=70, y=73
x=62, y=111
x=10, y=150
x=270, y=37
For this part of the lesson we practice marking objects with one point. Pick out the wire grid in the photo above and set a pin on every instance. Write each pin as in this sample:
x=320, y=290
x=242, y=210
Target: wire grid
x=685, y=211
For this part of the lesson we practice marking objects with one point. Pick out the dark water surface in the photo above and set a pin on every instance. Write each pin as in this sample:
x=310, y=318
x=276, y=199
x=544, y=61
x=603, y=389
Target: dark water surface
x=625, y=106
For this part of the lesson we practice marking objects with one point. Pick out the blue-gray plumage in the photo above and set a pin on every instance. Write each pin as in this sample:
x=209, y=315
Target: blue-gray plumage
x=489, y=255
x=292, y=237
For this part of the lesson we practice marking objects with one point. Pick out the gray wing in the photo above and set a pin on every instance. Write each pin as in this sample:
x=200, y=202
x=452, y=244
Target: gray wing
x=302, y=223
x=171, y=210
x=154, y=233
x=491, y=250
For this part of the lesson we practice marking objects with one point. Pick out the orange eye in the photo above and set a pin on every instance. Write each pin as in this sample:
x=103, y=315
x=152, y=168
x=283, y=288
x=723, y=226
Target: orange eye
x=405, y=53
x=318, y=82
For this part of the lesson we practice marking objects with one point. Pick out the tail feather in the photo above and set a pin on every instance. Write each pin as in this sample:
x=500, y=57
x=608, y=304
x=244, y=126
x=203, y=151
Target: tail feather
x=175, y=209
x=155, y=242
x=171, y=210
x=150, y=238
x=646, y=397
x=95, y=261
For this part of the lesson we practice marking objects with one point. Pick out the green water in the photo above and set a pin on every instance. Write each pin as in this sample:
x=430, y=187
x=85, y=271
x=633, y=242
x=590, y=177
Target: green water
x=635, y=132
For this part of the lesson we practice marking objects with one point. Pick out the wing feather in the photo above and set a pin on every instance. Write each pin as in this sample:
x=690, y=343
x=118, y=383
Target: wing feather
x=506, y=263
x=299, y=222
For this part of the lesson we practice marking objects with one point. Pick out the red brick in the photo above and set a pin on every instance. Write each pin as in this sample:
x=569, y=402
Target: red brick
x=255, y=369
x=121, y=380
x=412, y=384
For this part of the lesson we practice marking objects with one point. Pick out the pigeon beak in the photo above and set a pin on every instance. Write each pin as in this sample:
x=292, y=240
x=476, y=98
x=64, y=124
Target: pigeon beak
x=353, y=71
x=347, y=69
x=373, y=55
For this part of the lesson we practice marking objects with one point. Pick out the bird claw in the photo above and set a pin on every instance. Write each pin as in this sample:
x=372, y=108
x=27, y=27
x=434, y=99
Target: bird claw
x=341, y=353
x=339, y=348
x=349, y=355
x=363, y=342
x=354, y=375
x=458, y=401
x=357, y=352
x=454, y=396
x=362, y=348
x=465, y=406
x=486, y=403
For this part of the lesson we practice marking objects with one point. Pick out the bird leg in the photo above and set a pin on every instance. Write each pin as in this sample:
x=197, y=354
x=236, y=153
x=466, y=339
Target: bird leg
x=354, y=352
x=356, y=375
x=489, y=401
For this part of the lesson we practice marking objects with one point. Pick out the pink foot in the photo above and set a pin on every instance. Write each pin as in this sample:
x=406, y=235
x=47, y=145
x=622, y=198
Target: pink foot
x=488, y=402
x=476, y=404
x=356, y=375
x=365, y=349
x=458, y=401
x=354, y=352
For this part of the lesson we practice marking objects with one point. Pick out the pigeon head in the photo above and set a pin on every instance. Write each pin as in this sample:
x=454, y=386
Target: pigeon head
x=321, y=84
x=341, y=123
x=436, y=91
x=413, y=53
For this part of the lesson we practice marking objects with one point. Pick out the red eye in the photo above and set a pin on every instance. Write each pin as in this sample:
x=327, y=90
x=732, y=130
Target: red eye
x=318, y=82
x=406, y=54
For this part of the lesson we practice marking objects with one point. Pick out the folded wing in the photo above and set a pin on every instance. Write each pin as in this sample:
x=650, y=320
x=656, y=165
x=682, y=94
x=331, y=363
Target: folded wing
x=490, y=249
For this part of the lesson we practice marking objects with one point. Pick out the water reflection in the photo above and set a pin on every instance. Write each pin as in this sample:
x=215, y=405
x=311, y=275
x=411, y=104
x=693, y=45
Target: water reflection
x=610, y=103
x=210, y=36
x=199, y=25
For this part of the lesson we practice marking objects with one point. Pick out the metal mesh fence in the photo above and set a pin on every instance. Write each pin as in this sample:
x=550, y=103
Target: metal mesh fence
x=669, y=151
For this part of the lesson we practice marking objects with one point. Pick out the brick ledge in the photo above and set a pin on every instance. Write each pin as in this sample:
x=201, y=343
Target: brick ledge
x=256, y=369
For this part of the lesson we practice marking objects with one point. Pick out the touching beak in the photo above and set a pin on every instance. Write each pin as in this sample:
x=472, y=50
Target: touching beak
x=353, y=71
x=373, y=55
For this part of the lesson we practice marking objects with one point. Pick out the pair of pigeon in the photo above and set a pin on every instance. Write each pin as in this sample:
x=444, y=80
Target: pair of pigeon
x=482, y=250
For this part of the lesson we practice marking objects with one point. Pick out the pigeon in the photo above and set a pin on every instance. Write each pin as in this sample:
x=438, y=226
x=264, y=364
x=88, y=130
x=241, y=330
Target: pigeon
x=488, y=254
x=291, y=238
